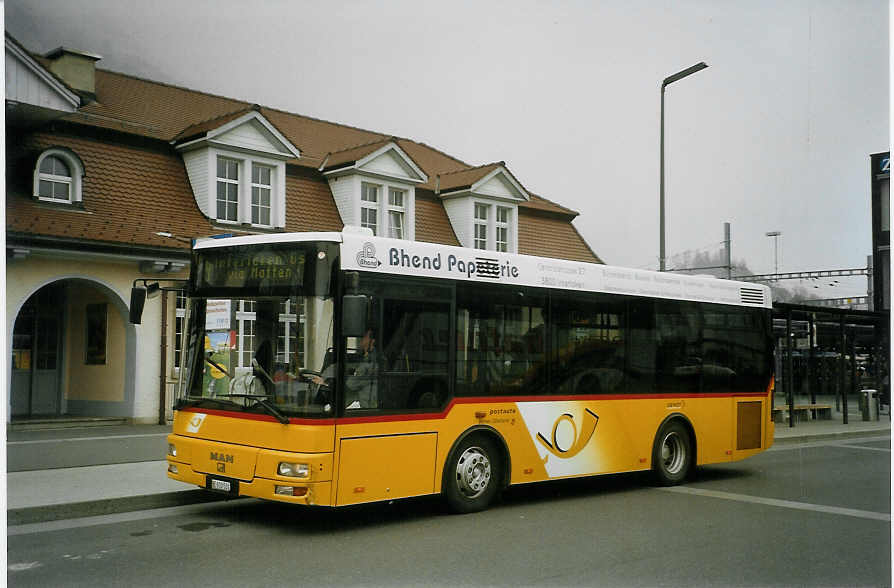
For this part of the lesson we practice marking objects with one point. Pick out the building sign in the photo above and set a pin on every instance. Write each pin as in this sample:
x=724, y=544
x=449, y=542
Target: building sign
x=412, y=258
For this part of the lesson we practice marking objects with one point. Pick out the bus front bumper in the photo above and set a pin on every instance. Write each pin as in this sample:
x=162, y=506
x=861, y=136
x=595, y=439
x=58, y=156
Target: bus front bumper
x=311, y=493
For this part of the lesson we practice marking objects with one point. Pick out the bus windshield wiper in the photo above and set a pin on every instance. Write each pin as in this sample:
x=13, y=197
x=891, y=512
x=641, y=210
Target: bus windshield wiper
x=262, y=401
x=190, y=401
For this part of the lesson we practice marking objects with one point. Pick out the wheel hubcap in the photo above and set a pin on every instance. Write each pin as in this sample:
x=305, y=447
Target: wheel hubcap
x=473, y=472
x=673, y=453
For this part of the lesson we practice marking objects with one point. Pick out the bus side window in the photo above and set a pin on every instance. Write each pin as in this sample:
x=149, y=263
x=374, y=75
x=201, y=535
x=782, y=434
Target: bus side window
x=589, y=344
x=501, y=342
x=415, y=375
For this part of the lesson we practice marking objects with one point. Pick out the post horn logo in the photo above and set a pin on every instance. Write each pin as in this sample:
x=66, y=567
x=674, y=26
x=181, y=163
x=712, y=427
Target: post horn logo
x=562, y=448
x=367, y=257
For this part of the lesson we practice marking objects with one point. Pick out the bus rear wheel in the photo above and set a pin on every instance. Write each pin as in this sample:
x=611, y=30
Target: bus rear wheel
x=672, y=454
x=472, y=474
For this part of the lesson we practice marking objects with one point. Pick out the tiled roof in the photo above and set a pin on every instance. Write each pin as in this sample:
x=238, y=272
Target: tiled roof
x=432, y=224
x=129, y=194
x=202, y=128
x=464, y=178
x=552, y=237
x=135, y=187
x=352, y=154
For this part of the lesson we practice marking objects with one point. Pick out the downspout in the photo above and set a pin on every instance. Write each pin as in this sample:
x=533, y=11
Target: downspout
x=163, y=363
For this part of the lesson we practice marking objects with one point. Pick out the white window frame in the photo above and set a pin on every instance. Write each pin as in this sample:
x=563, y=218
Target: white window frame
x=489, y=219
x=481, y=224
x=396, y=211
x=227, y=182
x=502, y=224
x=245, y=183
x=245, y=341
x=370, y=202
x=74, y=181
x=286, y=345
x=261, y=187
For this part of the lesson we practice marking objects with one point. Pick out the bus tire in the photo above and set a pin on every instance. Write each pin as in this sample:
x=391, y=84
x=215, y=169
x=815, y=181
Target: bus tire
x=472, y=475
x=672, y=454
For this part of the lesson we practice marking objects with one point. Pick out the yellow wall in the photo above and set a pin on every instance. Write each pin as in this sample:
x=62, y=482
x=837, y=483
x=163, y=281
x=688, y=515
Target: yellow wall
x=93, y=382
x=113, y=278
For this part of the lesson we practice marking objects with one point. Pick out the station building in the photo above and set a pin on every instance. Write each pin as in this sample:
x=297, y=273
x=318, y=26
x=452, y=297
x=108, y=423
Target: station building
x=110, y=177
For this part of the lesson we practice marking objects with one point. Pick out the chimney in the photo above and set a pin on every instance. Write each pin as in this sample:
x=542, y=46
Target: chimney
x=76, y=68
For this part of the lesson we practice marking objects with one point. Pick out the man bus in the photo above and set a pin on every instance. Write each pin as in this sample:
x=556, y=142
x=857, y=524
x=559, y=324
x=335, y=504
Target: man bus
x=341, y=368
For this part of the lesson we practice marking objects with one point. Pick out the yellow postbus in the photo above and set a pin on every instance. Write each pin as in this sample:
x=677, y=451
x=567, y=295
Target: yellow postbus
x=341, y=368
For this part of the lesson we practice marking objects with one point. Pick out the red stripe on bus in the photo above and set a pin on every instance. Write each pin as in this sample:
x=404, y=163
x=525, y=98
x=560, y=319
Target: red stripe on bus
x=257, y=417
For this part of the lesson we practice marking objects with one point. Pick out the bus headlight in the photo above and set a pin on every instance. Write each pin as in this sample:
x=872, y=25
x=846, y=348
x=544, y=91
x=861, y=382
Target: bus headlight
x=293, y=470
x=172, y=450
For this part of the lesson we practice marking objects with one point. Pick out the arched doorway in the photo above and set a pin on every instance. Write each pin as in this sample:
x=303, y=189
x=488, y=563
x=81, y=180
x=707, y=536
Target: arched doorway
x=37, y=354
x=71, y=348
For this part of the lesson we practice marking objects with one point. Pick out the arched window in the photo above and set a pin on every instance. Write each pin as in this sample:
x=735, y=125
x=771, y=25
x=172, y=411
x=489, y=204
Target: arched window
x=57, y=176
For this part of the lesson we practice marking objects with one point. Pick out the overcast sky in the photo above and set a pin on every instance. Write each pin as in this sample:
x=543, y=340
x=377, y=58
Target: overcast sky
x=774, y=136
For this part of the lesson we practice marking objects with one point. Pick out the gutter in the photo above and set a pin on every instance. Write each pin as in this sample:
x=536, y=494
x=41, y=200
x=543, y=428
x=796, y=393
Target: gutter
x=119, y=251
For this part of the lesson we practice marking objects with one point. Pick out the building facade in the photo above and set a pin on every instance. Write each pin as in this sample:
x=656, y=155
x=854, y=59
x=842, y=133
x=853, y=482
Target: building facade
x=110, y=177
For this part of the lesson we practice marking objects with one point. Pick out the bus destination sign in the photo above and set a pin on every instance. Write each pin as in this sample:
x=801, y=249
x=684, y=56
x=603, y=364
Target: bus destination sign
x=240, y=267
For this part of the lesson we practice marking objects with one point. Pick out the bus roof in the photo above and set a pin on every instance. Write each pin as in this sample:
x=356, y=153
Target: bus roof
x=232, y=241
x=361, y=251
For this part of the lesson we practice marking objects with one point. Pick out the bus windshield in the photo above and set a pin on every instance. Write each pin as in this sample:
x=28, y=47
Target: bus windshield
x=261, y=346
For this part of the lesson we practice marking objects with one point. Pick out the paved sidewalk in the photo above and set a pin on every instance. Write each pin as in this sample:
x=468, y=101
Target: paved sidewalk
x=90, y=490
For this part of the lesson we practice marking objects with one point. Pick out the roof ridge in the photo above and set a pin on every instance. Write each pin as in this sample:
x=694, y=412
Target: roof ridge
x=214, y=118
x=427, y=146
x=553, y=203
x=468, y=169
x=249, y=104
x=359, y=145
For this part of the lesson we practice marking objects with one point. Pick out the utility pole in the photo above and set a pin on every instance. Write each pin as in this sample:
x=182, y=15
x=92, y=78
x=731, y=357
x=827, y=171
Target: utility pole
x=727, y=251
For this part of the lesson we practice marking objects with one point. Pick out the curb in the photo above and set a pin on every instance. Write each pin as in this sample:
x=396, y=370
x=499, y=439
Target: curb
x=830, y=436
x=91, y=508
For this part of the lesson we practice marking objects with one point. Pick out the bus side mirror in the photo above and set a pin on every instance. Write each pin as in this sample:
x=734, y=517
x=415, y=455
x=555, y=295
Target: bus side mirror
x=353, y=315
x=137, y=301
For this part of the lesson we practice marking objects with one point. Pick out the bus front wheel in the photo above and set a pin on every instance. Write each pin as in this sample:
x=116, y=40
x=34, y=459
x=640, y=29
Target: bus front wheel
x=471, y=478
x=672, y=454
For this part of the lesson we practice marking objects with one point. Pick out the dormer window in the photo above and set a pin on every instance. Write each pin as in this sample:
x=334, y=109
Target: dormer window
x=482, y=204
x=369, y=207
x=492, y=227
x=396, y=213
x=237, y=168
x=261, y=187
x=57, y=176
x=481, y=226
x=55, y=179
x=374, y=186
x=501, y=226
x=227, y=189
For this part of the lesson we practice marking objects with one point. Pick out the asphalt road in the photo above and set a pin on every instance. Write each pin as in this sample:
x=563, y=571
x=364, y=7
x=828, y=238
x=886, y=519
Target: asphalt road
x=815, y=514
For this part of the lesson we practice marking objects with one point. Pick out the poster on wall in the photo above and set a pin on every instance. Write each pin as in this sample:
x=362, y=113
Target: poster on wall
x=96, y=335
x=218, y=365
x=217, y=315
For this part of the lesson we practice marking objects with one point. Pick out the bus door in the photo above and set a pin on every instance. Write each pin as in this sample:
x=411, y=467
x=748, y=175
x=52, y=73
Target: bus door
x=395, y=386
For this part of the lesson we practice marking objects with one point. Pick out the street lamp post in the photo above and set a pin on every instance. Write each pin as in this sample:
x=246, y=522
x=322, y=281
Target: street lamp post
x=667, y=81
x=775, y=235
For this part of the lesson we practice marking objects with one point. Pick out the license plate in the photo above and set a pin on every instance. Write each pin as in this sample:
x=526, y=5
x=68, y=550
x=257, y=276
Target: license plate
x=223, y=485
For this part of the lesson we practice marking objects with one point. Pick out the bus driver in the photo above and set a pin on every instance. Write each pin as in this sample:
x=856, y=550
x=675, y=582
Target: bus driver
x=361, y=374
